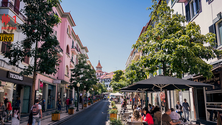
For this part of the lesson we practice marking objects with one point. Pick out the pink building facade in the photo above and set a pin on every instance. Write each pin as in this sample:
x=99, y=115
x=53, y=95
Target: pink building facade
x=52, y=87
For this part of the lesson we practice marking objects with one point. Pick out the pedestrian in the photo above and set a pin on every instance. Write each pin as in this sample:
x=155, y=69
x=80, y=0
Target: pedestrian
x=130, y=101
x=43, y=105
x=2, y=111
x=186, y=109
x=59, y=105
x=17, y=102
x=8, y=109
x=36, y=112
x=179, y=108
x=16, y=117
x=67, y=104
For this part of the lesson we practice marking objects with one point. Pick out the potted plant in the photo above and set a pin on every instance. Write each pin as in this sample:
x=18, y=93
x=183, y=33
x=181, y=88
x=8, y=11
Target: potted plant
x=115, y=122
x=89, y=103
x=85, y=104
x=114, y=107
x=112, y=103
x=94, y=101
x=71, y=110
x=56, y=115
x=113, y=114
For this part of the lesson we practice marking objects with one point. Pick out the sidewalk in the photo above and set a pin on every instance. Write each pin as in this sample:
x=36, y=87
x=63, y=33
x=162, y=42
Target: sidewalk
x=46, y=118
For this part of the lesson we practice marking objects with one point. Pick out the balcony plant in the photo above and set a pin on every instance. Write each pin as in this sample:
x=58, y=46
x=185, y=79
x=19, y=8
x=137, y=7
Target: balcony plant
x=113, y=114
x=56, y=115
x=71, y=110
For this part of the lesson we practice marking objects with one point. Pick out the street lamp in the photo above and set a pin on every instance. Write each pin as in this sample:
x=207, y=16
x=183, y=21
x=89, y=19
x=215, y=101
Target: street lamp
x=78, y=85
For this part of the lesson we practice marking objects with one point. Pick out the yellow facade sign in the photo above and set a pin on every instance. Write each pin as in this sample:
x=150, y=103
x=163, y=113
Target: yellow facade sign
x=6, y=37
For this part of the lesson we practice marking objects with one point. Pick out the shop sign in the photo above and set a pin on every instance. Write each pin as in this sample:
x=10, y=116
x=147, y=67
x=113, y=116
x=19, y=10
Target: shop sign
x=6, y=20
x=15, y=76
x=6, y=37
x=57, y=81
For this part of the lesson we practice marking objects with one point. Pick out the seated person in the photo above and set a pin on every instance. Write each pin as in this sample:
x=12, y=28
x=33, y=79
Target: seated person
x=141, y=113
x=147, y=117
x=174, y=115
x=157, y=114
x=135, y=107
x=166, y=118
x=139, y=107
x=136, y=116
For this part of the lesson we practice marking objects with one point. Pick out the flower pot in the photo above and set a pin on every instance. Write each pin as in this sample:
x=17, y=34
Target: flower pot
x=55, y=117
x=85, y=105
x=71, y=111
x=89, y=103
x=94, y=101
x=113, y=116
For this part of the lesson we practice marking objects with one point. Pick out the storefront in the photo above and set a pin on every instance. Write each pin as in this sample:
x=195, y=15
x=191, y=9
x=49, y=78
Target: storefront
x=13, y=86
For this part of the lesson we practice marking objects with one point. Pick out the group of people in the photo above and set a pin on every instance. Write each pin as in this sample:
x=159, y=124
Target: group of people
x=170, y=117
x=6, y=110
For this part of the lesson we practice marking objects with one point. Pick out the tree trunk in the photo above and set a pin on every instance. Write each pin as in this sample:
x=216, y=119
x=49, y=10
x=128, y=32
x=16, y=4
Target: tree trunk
x=164, y=68
x=32, y=101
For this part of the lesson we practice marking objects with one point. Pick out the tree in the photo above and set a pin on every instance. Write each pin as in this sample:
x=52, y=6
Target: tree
x=38, y=28
x=135, y=73
x=83, y=74
x=118, y=75
x=118, y=85
x=174, y=48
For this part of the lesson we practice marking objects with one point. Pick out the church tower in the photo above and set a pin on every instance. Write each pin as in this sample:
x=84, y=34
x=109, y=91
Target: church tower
x=99, y=71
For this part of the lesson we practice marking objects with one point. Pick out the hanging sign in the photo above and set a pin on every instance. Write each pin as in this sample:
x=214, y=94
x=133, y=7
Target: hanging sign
x=57, y=81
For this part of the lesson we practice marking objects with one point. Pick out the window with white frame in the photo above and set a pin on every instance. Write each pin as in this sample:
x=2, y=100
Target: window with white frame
x=192, y=9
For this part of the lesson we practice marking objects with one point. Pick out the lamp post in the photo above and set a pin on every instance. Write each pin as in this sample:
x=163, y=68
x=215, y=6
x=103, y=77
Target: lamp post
x=78, y=85
x=92, y=95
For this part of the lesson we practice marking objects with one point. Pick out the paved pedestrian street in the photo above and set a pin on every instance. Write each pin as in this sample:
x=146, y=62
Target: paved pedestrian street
x=95, y=115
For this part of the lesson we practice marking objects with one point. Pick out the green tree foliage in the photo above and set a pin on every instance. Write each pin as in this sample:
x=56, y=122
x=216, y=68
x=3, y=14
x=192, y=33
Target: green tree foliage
x=98, y=88
x=175, y=48
x=135, y=73
x=118, y=75
x=38, y=28
x=83, y=73
x=118, y=85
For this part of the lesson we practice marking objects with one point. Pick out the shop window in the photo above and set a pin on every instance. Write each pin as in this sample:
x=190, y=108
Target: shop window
x=5, y=47
x=192, y=9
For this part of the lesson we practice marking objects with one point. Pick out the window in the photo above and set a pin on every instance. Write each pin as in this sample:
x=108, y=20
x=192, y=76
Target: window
x=5, y=46
x=67, y=71
x=26, y=59
x=192, y=9
x=72, y=44
x=55, y=33
x=67, y=49
x=220, y=32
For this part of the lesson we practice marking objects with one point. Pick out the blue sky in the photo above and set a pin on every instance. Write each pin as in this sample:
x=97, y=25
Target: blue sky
x=108, y=28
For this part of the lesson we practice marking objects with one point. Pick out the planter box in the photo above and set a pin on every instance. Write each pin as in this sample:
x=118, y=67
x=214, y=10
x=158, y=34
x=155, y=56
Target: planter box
x=113, y=116
x=71, y=111
x=85, y=105
x=89, y=103
x=94, y=101
x=55, y=117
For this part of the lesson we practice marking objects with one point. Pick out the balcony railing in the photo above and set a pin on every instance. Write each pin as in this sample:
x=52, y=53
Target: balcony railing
x=10, y=5
x=72, y=61
x=60, y=49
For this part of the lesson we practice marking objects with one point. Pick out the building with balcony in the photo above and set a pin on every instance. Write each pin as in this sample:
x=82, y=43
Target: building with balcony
x=13, y=85
x=208, y=15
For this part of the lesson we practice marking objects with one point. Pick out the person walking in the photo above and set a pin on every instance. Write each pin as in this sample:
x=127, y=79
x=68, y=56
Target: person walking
x=67, y=104
x=43, y=105
x=59, y=105
x=186, y=109
x=179, y=108
x=36, y=112
x=8, y=109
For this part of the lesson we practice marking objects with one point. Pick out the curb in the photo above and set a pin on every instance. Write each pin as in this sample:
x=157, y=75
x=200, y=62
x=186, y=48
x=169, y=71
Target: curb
x=71, y=116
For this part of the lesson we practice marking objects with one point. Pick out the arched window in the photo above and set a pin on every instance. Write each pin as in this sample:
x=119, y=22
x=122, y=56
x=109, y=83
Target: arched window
x=67, y=49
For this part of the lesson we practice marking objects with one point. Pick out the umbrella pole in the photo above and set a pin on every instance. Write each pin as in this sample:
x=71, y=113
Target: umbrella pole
x=161, y=123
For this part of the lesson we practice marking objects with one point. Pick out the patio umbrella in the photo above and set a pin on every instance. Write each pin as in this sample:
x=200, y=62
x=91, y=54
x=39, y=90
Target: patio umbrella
x=159, y=83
